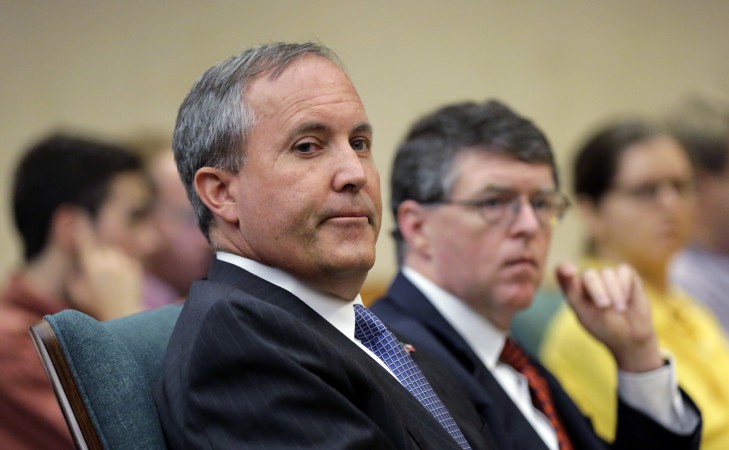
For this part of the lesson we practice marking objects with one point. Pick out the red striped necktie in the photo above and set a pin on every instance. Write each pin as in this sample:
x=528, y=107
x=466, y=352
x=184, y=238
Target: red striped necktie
x=514, y=356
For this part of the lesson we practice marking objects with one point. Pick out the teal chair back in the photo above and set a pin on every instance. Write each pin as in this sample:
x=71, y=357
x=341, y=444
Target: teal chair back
x=530, y=325
x=103, y=374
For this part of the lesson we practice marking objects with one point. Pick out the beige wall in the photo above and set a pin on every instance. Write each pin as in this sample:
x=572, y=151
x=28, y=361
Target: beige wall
x=118, y=67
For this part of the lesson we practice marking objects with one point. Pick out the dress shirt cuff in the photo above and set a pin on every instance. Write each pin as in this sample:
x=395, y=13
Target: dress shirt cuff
x=656, y=394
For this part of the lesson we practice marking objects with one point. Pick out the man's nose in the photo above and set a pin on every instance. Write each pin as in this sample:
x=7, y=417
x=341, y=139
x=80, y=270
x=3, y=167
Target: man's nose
x=350, y=172
x=524, y=217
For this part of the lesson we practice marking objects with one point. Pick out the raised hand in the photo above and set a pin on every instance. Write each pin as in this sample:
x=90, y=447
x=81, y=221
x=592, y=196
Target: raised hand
x=611, y=304
x=107, y=283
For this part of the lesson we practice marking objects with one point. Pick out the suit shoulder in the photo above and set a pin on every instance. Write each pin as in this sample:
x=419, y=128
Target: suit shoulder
x=398, y=319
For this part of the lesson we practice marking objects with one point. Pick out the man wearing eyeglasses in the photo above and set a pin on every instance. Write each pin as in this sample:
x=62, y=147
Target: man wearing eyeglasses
x=475, y=194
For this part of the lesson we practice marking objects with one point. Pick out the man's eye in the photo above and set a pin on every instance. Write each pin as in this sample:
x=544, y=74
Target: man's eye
x=493, y=203
x=646, y=191
x=305, y=147
x=139, y=215
x=360, y=144
x=541, y=203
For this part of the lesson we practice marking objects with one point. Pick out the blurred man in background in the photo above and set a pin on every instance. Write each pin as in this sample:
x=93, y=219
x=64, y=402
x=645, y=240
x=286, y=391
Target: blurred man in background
x=183, y=254
x=82, y=208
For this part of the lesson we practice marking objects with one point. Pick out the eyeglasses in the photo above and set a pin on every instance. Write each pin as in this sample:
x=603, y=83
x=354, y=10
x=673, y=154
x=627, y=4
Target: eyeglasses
x=651, y=191
x=503, y=206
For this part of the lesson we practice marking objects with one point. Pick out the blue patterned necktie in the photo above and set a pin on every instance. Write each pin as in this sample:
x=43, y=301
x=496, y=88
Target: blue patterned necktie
x=375, y=336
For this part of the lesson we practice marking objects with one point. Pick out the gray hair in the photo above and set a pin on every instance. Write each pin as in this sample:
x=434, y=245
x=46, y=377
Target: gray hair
x=214, y=120
x=423, y=167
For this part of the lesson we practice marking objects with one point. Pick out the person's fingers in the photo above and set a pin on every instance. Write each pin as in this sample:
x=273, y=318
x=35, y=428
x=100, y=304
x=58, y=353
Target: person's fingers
x=633, y=284
x=595, y=288
x=78, y=293
x=568, y=279
x=85, y=238
x=627, y=279
x=631, y=280
x=613, y=289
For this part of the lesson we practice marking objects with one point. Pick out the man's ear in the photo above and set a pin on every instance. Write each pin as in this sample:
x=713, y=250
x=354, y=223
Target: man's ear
x=410, y=220
x=216, y=189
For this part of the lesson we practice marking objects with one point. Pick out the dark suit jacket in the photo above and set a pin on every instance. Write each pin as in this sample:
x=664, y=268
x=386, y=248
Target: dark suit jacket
x=406, y=310
x=249, y=365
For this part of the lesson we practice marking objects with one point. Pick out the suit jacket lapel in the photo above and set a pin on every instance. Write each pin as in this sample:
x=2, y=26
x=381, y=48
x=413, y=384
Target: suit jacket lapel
x=428, y=429
x=578, y=426
x=505, y=420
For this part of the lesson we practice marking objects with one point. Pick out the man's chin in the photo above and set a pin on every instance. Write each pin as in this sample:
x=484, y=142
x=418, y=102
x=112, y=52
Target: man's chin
x=351, y=260
x=519, y=296
x=355, y=265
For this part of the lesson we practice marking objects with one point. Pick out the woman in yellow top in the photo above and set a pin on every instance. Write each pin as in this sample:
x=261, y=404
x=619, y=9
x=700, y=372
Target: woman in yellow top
x=634, y=189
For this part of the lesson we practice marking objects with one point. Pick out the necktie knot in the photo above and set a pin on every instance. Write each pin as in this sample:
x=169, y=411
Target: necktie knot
x=367, y=325
x=513, y=355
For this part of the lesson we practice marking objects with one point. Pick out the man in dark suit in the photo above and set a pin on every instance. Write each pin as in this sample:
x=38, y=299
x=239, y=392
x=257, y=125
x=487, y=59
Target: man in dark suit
x=475, y=194
x=274, y=349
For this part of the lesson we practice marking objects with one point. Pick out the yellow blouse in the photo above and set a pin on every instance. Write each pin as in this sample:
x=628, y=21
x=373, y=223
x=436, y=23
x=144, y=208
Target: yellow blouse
x=685, y=329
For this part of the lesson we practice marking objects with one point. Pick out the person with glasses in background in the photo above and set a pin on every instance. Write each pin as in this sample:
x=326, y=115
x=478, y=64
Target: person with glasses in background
x=634, y=187
x=475, y=194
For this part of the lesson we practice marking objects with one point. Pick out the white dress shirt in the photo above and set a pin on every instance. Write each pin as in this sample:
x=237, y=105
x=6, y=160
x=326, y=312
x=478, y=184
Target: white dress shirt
x=654, y=393
x=335, y=310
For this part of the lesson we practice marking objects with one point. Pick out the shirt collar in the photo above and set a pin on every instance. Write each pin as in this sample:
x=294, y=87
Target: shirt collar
x=482, y=336
x=336, y=311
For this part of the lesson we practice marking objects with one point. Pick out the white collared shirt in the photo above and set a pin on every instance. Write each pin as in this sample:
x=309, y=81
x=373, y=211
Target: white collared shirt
x=335, y=310
x=654, y=393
